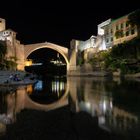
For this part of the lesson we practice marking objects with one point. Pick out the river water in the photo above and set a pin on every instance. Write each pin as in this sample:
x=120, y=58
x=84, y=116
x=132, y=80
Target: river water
x=116, y=102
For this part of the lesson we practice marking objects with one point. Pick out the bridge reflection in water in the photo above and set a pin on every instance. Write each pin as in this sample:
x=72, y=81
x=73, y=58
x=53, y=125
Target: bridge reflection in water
x=96, y=96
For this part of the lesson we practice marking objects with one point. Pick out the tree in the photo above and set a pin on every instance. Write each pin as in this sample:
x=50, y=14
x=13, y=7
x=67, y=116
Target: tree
x=134, y=20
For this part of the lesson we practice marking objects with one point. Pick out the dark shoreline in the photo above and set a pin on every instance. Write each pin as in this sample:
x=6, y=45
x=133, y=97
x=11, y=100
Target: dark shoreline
x=57, y=124
x=25, y=78
x=25, y=82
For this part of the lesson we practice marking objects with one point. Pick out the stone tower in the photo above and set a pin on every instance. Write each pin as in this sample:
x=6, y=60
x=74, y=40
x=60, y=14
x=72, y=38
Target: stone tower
x=2, y=24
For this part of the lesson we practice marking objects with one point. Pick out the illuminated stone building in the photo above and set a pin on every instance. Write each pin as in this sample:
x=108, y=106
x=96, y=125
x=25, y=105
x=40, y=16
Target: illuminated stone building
x=110, y=32
x=85, y=48
x=117, y=31
x=15, y=50
x=2, y=24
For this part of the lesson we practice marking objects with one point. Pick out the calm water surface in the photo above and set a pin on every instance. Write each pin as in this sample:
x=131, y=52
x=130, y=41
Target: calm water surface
x=115, y=102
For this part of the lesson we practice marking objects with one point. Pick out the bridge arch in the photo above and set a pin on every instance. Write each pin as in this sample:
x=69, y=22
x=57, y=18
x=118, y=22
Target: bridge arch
x=30, y=104
x=33, y=47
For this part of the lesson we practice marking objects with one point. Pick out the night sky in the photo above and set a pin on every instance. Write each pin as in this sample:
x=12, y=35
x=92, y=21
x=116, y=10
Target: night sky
x=59, y=22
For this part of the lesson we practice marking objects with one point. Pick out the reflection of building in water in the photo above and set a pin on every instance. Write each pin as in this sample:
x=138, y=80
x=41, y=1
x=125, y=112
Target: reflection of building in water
x=122, y=120
x=58, y=86
x=105, y=105
x=2, y=127
x=29, y=89
x=19, y=100
x=108, y=115
x=7, y=116
x=92, y=98
x=14, y=103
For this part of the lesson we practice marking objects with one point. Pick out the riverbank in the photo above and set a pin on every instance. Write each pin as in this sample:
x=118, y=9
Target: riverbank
x=28, y=78
x=102, y=74
x=24, y=78
x=90, y=73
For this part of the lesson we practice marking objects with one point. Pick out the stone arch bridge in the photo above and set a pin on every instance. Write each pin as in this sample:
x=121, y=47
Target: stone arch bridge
x=65, y=52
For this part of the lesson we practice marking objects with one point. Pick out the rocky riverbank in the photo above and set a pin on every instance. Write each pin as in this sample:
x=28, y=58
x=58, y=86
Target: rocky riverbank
x=90, y=73
x=23, y=78
x=103, y=74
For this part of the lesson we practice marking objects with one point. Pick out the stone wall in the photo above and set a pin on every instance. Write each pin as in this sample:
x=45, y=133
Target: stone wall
x=2, y=24
x=15, y=51
x=20, y=56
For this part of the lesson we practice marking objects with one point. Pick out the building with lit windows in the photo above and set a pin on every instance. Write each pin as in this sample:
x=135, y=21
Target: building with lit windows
x=109, y=33
x=15, y=50
x=117, y=31
x=88, y=47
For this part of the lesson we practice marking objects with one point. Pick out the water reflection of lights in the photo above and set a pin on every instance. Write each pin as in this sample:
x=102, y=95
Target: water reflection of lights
x=58, y=86
x=111, y=104
x=2, y=128
x=106, y=105
x=88, y=105
x=101, y=120
x=85, y=106
x=29, y=89
x=5, y=119
x=38, y=85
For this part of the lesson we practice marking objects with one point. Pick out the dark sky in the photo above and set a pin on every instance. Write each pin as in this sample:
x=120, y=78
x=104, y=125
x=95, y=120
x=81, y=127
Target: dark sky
x=58, y=22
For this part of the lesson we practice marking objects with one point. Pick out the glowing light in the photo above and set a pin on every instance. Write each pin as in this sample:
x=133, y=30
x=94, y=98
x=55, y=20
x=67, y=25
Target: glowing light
x=101, y=120
x=28, y=63
x=104, y=105
x=101, y=31
x=38, y=85
x=36, y=64
x=111, y=104
x=57, y=86
x=88, y=105
x=29, y=89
